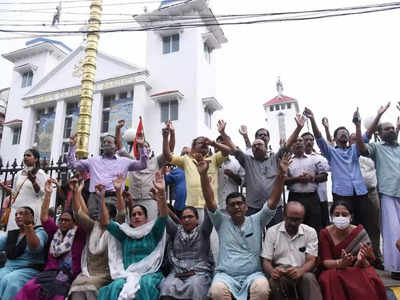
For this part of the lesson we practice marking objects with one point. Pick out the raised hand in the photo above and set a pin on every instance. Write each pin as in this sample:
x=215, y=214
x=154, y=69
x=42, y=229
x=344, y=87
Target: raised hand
x=243, y=130
x=300, y=120
x=382, y=109
x=169, y=125
x=73, y=139
x=48, y=186
x=120, y=124
x=398, y=105
x=73, y=184
x=325, y=122
x=118, y=182
x=221, y=126
x=285, y=162
x=158, y=190
x=356, y=117
x=308, y=113
x=100, y=190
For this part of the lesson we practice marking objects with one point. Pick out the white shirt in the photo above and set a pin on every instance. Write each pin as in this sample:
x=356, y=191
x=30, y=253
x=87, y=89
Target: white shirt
x=27, y=196
x=368, y=172
x=227, y=185
x=322, y=186
x=282, y=249
x=310, y=164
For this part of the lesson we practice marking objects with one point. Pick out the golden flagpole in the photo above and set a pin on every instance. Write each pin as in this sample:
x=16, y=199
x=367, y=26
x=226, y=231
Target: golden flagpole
x=88, y=79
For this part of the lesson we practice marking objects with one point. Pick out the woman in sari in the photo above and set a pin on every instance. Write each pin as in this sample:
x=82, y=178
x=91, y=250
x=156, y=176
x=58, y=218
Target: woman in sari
x=64, y=259
x=190, y=257
x=137, y=250
x=24, y=249
x=95, y=264
x=28, y=187
x=346, y=256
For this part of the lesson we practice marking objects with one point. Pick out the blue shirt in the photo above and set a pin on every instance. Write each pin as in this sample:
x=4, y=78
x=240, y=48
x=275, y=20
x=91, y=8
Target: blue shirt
x=240, y=248
x=29, y=256
x=177, y=177
x=345, y=169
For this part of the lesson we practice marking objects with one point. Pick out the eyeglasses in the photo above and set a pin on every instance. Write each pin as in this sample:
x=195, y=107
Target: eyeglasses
x=238, y=203
x=187, y=217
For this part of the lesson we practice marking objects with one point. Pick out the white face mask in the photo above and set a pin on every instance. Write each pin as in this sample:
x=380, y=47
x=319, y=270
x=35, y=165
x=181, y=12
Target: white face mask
x=341, y=222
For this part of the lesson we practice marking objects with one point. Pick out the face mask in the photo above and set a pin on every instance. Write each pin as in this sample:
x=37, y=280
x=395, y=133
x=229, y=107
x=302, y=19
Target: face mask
x=341, y=222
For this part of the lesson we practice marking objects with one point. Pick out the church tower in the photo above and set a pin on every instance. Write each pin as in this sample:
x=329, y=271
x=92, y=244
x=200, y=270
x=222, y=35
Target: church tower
x=181, y=63
x=280, y=113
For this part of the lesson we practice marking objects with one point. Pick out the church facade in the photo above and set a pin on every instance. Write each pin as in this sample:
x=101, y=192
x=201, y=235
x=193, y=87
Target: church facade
x=178, y=83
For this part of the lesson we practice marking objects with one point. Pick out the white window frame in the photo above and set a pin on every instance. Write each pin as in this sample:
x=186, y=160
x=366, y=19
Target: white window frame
x=16, y=131
x=169, y=114
x=27, y=78
x=168, y=42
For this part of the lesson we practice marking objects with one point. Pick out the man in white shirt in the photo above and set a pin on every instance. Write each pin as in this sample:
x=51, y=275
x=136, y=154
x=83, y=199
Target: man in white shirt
x=230, y=178
x=289, y=254
x=305, y=173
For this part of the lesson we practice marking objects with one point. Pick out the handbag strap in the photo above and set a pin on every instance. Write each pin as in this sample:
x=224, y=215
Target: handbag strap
x=14, y=196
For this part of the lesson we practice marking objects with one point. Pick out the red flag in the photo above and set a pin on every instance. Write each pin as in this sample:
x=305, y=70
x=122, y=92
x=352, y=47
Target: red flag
x=139, y=131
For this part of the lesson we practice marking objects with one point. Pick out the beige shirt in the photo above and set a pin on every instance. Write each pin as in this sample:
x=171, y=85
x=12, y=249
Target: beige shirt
x=283, y=249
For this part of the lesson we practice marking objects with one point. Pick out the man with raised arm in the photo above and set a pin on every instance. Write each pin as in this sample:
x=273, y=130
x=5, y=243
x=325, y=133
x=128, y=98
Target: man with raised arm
x=261, y=169
x=141, y=181
x=104, y=168
x=239, y=272
x=200, y=146
x=347, y=181
x=386, y=155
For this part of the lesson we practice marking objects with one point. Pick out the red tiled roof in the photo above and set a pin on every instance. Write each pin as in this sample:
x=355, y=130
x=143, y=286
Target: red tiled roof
x=164, y=93
x=279, y=99
x=13, y=121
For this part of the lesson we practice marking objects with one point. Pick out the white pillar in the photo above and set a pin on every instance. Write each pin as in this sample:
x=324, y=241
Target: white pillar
x=58, y=131
x=27, y=131
x=95, y=124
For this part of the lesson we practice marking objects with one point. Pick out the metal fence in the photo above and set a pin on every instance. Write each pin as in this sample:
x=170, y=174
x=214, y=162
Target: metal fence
x=57, y=170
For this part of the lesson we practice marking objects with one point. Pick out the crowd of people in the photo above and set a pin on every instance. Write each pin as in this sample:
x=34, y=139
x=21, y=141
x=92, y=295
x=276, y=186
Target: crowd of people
x=210, y=224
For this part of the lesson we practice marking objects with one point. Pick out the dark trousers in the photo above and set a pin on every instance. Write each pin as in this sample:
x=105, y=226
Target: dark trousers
x=324, y=213
x=275, y=220
x=372, y=225
x=313, y=208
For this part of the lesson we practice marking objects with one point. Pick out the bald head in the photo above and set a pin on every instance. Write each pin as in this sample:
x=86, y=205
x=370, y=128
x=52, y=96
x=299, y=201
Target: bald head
x=294, y=207
x=294, y=216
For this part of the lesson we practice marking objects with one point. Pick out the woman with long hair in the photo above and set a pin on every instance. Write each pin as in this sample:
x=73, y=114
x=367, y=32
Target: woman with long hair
x=28, y=187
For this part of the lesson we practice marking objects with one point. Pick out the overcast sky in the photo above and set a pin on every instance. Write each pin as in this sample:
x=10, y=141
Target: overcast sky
x=331, y=65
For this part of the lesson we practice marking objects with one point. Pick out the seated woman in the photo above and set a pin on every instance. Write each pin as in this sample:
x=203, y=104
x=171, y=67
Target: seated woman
x=135, y=268
x=24, y=249
x=190, y=257
x=64, y=259
x=346, y=254
x=95, y=264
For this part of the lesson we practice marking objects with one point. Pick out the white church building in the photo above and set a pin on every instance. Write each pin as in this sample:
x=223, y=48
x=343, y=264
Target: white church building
x=178, y=83
x=280, y=114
